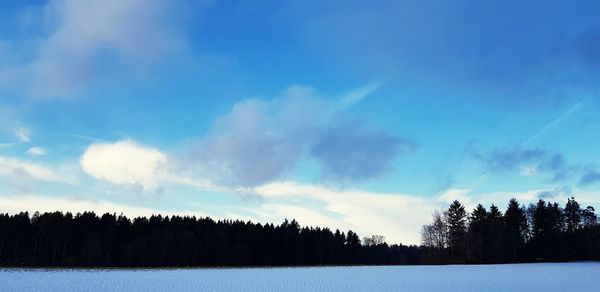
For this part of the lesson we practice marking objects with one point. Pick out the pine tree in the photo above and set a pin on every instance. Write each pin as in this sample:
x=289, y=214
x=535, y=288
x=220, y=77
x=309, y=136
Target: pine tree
x=572, y=215
x=495, y=226
x=515, y=230
x=540, y=221
x=457, y=228
x=589, y=217
x=477, y=226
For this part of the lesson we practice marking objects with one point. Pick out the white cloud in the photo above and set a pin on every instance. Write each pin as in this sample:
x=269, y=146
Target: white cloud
x=37, y=151
x=33, y=203
x=17, y=168
x=79, y=42
x=142, y=168
x=462, y=195
x=398, y=217
x=125, y=163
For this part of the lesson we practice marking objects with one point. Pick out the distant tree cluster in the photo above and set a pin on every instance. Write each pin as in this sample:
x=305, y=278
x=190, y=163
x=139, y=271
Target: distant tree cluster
x=57, y=239
x=540, y=232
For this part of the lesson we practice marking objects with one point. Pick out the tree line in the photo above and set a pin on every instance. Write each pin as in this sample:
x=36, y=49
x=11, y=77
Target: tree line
x=57, y=239
x=539, y=232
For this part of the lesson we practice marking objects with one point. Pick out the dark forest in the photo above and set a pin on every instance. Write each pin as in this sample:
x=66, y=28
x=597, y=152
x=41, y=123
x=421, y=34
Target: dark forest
x=539, y=232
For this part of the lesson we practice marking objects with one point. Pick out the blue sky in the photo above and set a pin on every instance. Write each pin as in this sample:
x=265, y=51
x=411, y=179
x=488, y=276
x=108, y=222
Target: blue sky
x=334, y=113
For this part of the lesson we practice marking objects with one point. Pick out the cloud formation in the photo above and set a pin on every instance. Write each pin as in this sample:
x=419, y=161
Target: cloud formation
x=78, y=44
x=555, y=192
x=352, y=151
x=125, y=163
x=12, y=131
x=137, y=167
x=33, y=203
x=259, y=141
x=18, y=169
x=524, y=161
x=591, y=176
x=396, y=216
x=36, y=151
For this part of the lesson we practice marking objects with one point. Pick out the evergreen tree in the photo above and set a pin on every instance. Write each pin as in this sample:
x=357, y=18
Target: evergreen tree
x=457, y=228
x=477, y=236
x=495, y=227
x=515, y=230
x=84, y=239
x=572, y=215
x=541, y=224
x=589, y=217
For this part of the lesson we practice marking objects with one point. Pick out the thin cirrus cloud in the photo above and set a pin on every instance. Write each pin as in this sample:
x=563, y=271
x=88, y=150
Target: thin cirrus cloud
x=12, y=131
x=36, y=151
x=259, y=141
x=79, y=43
x=19, y=170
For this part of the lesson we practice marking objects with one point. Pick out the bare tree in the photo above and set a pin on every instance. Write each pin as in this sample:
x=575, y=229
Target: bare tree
x=435, y=235
x=373, y=240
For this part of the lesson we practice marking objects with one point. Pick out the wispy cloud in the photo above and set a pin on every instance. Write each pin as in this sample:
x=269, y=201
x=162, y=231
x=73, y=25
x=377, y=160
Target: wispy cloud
x=19, y=169
x=259, y=141
x=554, y=122
x=32, y=203
x=23, y=134
x=590, y=177
x=357, y=95
x=12, y=130
x=36, y=151
x=519, y=160
x=350, y=151
x=79, y=44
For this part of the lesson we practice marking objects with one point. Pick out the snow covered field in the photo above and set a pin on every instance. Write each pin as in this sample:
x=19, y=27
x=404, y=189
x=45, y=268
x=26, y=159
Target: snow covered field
x=521, y=277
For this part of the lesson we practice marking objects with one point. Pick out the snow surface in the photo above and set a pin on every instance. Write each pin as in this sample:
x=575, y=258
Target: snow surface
x=518, y=277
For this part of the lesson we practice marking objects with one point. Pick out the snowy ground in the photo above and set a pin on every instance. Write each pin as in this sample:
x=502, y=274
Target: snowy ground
x=522, y=277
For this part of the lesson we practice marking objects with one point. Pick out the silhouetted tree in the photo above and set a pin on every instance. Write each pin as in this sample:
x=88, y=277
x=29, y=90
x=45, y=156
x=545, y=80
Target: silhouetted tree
x=373, y=240
x=457, y=228
x=542, y=232
x=434, y=237
x=57, y=239
x=515, y=231
x=495, y=228
x=572, y=215
x=589, y=217
x=477, y=233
